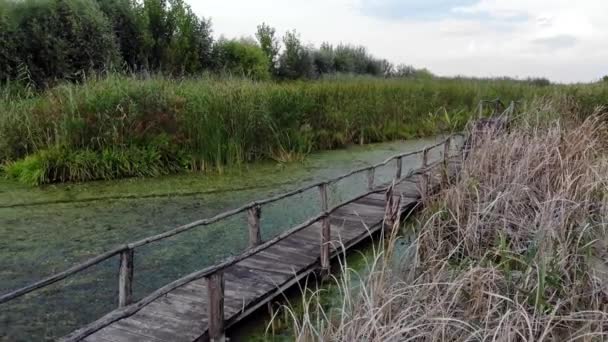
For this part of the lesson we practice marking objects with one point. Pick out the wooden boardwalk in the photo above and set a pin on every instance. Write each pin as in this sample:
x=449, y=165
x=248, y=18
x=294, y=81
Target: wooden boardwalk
x=202, y=305
x=182, y=314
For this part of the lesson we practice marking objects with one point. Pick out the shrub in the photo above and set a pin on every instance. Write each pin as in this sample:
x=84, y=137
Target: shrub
x=242, y=58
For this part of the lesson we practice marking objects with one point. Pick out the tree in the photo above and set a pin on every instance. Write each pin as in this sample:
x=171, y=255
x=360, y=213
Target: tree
x=242, y=57
x=130, y=29
x=8, y=47
x=62, y=39
x=324, y=59
x=181, y=42
x=296, y=60
x=270, y=44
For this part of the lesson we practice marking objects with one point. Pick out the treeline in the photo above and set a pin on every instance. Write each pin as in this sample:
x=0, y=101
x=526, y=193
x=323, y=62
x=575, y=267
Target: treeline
x=44, y=41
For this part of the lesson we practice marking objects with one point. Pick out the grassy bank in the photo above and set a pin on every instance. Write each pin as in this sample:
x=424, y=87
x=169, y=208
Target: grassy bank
x=513, y=250
x=121, y=127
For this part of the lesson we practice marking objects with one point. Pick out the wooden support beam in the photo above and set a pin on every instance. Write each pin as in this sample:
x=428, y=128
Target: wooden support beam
x=215, y=293
x=325, y=244
x=425, y=158
x=253, y=221
x=424, y=186
x=323, y=197
x=325, y=231
x=125, y=278
x=389, y=207
x=446, y=160
x=399, y=168
x=370, y=178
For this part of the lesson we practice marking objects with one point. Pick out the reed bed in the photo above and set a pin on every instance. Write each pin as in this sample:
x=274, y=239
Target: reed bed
x=119, y=126
x=512, y=250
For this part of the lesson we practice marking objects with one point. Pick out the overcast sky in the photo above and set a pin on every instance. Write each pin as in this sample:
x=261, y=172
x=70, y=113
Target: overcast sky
x=563, y=40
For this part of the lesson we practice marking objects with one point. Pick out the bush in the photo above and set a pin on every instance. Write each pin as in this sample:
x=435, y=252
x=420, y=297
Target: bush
x=242, y=58
x=60, y=39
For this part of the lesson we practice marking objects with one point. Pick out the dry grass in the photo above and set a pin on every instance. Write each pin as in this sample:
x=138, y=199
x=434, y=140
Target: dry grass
x=514, y=250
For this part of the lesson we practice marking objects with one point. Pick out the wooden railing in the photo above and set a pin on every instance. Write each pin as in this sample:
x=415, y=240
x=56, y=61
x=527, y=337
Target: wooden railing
x=214, y=274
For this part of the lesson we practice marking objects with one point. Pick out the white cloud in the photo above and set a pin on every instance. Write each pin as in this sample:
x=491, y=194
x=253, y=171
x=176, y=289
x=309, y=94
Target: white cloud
x=559, y=39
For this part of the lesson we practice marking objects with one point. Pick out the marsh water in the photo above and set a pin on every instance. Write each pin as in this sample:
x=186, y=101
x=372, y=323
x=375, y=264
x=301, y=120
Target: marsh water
x=47, y=230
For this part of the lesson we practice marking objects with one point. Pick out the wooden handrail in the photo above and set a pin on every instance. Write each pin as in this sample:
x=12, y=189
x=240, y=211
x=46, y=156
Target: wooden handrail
x=204, y=222
x=132, y=309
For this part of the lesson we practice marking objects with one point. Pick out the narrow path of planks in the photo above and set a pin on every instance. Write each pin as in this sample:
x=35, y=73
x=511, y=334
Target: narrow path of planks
x=181, y=315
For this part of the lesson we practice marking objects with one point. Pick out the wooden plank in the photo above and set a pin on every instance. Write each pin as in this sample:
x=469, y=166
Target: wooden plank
x=298, y=248
x=116, y=334
x=278, y=277
x=284, y=252
x=284, y=267
x=160, y=328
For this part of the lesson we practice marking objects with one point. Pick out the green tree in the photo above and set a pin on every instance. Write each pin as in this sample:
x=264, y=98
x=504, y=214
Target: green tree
x=180, y=41
x=270, y=44
x=8, y=46
x=296, y=60
x=62, y=39
x=130, y=30
x=243, y=58
x=324, y=59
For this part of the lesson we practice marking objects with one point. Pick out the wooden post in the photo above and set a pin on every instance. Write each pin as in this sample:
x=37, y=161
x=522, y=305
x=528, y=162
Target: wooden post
x=446, y=160
x=424, y=186
x=125, y=278
x=253, y=220
x=325, y=232
x=370, y=178
x=399, y=168
x=425, y=158
x=215, y=293
x=325, y=244
x=323, y=196
x=388, y=212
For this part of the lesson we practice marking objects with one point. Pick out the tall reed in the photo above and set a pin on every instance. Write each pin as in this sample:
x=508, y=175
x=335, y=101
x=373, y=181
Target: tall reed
x=208, y=123
x=513, y=250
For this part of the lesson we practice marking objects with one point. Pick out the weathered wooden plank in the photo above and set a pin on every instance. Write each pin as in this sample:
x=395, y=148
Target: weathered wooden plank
x=282, y=254
x=274, y=274
x=262, y=279
x=284, y=266
x=116, y=334
x=299, y=248
x=160, y=328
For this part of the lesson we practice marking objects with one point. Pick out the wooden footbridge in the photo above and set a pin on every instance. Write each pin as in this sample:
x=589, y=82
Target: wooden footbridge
x=202, y=305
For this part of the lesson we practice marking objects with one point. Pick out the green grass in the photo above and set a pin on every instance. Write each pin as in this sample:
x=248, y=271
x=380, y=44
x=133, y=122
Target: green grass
x=119, y=126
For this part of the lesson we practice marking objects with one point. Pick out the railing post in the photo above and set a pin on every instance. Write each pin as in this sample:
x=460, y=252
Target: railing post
x=399, y=168
x=125, y=278
x=425, y=158
x=446, y=160
x=325, y=231
x=390, y=211
x=370, y=178
x=253, y=220
x=215, y=293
